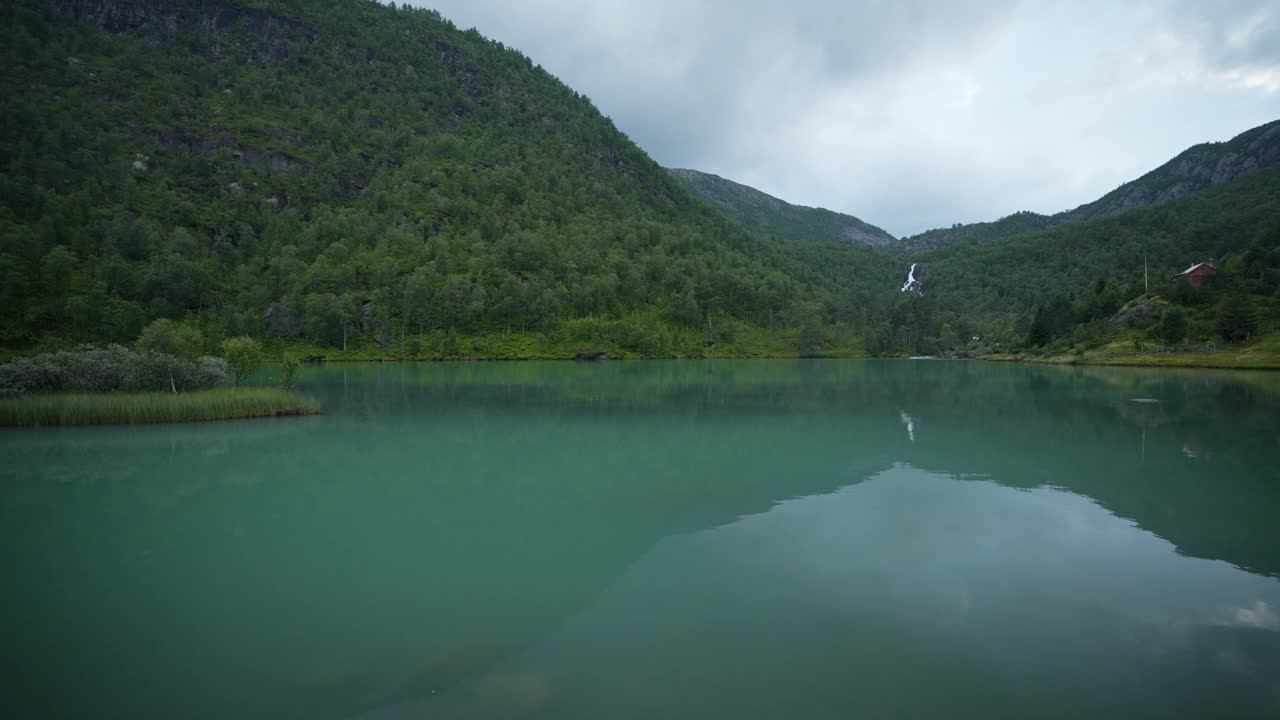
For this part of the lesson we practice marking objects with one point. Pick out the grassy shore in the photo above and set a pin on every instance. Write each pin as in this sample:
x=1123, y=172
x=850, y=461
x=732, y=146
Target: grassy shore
x=1259, y=354
x=746, y=343
x=48, y=410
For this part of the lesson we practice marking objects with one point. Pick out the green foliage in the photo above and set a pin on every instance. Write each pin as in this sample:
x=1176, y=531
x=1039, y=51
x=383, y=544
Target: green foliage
x=151, y=407
x=243, y=356
x=114, y=368
x=289, y=363
x=1172, y=328
x=1050, y=322
x=997, y=281
x=364, y=177
x=358, y=174
x=1234, y=319
x=769, y=217
x=170, y=338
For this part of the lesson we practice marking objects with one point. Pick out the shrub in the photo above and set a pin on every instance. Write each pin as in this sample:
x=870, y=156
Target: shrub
x=288, y=369
x=648, y=339
x=111, y=369
x=170, y=338
x=243, y=356
x=1172, y=328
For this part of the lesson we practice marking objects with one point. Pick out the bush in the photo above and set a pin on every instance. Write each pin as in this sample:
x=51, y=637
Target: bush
x=288, y=369
x=1172, y=328
x=243, y=356
x=111, y=369
x=170, y=338
x=647, y=339
x=1234, y=318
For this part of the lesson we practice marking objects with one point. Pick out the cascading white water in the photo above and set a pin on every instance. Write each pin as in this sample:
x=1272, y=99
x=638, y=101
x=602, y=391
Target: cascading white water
x=911, y=279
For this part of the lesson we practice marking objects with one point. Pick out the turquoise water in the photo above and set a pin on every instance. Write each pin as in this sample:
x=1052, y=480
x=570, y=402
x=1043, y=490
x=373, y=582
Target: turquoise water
x=758, y=539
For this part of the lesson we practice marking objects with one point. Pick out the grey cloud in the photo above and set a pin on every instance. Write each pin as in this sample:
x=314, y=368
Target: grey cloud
x=909, y=114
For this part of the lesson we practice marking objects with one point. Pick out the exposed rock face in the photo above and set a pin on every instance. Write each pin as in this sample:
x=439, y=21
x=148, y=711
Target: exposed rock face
x=1140, y=312
x=1193, y=170
x=270, y=34
x=350, y=184
x=769, y=217
x=214, y=139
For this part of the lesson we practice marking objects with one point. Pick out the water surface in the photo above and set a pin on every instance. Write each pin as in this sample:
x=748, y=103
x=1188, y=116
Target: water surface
x=818, y=539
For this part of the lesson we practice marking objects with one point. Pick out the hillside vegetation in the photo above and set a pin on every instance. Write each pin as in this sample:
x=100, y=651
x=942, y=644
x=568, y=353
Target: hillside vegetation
x=771, y=218
x=1195, y=169
x=357, y=180
x=1082, y=274
x=354, y=174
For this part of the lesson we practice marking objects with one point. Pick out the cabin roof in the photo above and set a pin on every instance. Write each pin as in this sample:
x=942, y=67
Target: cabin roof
x=1197, y=265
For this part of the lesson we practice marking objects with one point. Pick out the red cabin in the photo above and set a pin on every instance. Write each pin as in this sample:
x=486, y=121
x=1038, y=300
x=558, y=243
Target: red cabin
x=1194, y=275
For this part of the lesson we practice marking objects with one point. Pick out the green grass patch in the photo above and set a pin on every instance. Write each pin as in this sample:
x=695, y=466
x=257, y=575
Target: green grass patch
x=1262, y=353
x=54, y=409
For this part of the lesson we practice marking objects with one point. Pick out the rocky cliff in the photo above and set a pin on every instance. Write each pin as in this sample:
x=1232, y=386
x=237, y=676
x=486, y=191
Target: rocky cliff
x=1192, y=170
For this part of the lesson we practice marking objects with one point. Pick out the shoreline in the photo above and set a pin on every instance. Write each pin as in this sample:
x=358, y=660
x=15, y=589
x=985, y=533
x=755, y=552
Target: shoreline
x=1136, y=361
x=50, y=410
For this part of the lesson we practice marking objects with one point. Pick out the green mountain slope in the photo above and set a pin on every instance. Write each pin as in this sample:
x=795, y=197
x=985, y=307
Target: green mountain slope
x=1100, y=262
x=769, y=217
x=353, y=173
x=1198, y=168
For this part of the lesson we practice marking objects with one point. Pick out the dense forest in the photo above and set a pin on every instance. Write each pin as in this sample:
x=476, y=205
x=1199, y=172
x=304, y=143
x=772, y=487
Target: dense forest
x=361, y=178
x=1099, y=265
x=359, y=174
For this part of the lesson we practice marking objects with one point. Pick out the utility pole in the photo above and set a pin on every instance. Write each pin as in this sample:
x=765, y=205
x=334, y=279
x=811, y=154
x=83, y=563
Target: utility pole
x=1146, y=288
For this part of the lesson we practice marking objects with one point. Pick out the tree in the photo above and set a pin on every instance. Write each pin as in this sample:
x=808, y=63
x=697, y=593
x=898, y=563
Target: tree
x=243, y=356
x=1173, y=326
x=321, y=318
x=348, y=314
x=1234, y=318
x=288, y=369
x=170, y=338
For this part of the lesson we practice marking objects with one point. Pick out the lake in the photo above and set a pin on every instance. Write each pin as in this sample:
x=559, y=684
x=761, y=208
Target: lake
x=739, y=539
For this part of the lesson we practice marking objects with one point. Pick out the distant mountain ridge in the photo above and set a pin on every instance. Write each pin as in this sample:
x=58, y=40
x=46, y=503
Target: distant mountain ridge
x=772, y=218
x=1194, y=169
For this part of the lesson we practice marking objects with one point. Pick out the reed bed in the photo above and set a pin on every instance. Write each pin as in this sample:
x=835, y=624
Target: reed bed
x=54, y=409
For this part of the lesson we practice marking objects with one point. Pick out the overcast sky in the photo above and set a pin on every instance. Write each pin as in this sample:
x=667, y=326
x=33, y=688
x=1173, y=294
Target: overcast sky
x=909, y=114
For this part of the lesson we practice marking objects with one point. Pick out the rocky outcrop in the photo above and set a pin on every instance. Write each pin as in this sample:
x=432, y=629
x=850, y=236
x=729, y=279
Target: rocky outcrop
x=213, y=140
x=1193, y=170
x=351, y=184
x=265, y=37
x=1141, y=312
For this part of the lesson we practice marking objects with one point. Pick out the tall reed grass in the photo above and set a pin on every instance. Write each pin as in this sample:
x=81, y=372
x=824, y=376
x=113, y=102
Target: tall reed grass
x=53, y=409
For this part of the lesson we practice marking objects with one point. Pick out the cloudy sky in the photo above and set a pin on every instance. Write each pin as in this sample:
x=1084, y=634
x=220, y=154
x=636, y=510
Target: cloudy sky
x=909, y=114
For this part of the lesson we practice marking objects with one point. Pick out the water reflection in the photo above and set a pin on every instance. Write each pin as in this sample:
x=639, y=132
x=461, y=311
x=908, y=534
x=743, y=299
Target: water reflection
x=423, y=545
x=914, y=594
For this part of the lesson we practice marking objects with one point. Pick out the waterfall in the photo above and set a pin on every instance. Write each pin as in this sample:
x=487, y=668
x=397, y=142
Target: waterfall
x=911, y=282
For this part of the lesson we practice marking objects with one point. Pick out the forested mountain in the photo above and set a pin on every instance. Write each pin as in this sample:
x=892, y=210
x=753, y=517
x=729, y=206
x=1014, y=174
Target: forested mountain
x=1193, y=170
x=769, y=217
x=356, y=173
x=1098, y=265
